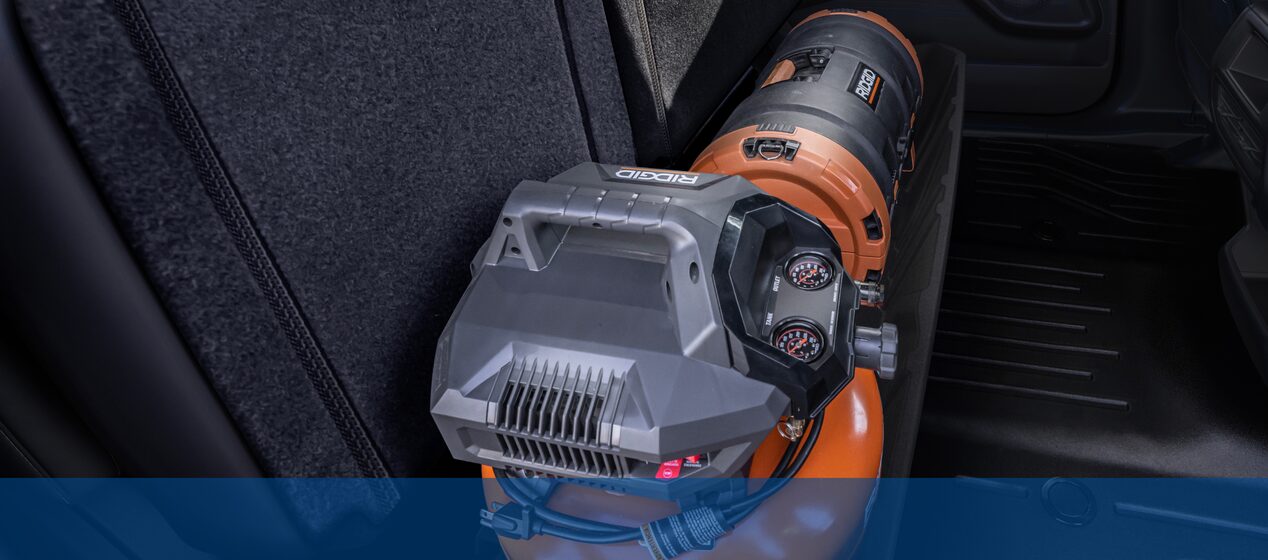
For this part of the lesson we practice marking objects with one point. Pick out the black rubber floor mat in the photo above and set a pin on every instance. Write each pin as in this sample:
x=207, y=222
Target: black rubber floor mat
x=1082, y=330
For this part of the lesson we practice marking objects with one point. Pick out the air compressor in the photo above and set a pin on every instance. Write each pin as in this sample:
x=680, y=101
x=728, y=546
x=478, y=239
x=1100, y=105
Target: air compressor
x=645, y=358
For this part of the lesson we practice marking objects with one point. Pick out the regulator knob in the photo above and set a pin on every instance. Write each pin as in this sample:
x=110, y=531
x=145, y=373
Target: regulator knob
x=877, y=349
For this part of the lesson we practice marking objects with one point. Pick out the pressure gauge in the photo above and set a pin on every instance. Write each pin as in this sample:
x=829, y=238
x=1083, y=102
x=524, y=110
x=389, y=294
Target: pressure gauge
x=799, y=339
x=809, y=271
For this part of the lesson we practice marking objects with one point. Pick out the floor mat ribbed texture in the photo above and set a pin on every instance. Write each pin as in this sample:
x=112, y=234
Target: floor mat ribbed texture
x=1082, y=330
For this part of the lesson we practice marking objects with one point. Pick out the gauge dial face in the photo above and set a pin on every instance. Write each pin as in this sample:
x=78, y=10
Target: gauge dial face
x=799, y=340
x=809, y=272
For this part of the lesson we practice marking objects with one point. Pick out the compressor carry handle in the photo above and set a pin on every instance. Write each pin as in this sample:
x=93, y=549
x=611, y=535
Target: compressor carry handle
x=538, y=217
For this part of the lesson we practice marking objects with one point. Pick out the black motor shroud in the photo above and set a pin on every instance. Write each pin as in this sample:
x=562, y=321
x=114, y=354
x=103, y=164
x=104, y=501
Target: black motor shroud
x=830, y=53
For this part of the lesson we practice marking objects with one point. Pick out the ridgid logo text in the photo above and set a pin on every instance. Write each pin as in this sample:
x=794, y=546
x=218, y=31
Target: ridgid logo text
x=658, y=176
x=867, y=85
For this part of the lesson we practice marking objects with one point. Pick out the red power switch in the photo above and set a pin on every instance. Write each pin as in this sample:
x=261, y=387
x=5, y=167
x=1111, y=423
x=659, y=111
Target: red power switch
x=669, y=469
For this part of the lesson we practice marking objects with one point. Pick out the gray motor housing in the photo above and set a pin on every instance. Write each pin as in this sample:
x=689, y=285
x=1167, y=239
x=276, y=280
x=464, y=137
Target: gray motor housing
x=619, y=318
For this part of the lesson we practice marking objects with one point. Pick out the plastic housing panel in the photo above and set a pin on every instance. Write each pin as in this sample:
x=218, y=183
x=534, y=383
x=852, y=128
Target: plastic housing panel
x=1240, y=111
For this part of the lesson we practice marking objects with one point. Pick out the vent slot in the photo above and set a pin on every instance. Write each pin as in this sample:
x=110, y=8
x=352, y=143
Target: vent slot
x=872, y=226
x=559, y=417
x=562, y=457
x=567, y=405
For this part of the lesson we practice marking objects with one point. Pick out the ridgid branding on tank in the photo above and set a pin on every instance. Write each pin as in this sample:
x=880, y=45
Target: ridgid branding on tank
x=867, y=85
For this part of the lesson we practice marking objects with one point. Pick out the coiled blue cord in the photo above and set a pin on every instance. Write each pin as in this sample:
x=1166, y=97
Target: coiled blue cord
x=694, y=529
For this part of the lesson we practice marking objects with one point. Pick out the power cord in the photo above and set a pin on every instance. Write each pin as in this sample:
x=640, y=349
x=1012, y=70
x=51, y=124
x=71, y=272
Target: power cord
x=694, y=529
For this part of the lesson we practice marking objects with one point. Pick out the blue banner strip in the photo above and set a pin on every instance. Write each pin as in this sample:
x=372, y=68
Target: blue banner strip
x=905, y=519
